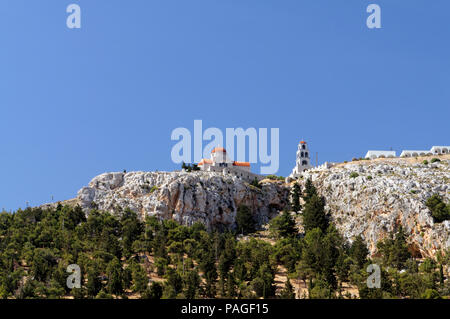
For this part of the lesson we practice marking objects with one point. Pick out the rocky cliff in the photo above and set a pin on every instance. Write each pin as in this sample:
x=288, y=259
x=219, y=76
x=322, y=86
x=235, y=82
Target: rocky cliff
x=208, y=197
x=370, y=198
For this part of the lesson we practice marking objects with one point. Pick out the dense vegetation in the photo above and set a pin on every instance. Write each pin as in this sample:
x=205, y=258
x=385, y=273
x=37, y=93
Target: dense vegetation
x=122, y=256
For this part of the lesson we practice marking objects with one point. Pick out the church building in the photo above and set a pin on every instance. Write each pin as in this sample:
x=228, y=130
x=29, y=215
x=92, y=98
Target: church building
x=220, y=162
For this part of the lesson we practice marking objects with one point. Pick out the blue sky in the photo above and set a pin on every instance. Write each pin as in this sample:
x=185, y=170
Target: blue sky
x=77, y=103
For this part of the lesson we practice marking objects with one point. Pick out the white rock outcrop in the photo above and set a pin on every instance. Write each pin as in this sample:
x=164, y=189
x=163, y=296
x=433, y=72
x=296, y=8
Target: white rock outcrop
x=383, y=196
x=208, y=197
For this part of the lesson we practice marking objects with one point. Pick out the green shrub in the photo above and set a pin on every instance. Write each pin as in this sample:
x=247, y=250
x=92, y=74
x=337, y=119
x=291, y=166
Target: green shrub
x=433, y=160
x=425, y=162
x=256, y=183
x=154, y=188
x=275, y=177
x=430, y=294
x=190, y=167
x=369, y=178
x=439, y=210
x=354, y=174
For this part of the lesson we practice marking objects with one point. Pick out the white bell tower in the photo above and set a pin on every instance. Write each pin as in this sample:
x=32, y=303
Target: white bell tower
x=303, y=160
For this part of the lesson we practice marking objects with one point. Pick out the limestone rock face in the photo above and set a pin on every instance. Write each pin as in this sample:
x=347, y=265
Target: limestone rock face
x=385, y=195
x=208, y=197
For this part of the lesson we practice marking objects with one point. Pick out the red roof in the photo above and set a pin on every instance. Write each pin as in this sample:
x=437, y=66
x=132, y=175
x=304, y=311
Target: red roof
x=204, y=161
x=219, y=149
x=247, y=164
x=302, y=142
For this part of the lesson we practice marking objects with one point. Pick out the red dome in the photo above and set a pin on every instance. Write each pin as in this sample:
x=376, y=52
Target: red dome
x=219, y=149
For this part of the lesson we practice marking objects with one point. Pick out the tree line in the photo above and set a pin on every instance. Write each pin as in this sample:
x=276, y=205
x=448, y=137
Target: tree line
x=120, y=255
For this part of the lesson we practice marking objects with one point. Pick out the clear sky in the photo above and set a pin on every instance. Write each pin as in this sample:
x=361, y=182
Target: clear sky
x=77, y=103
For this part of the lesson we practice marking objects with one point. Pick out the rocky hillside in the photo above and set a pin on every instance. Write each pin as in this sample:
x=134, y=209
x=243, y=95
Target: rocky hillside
x=207, y=197
x=370, y=198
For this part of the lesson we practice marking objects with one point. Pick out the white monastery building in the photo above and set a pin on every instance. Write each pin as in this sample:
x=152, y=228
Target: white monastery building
x=414, y=153
x=435, y=150
x=440, y=150
x=303, y=161
x=220, y=162
x=376, y=154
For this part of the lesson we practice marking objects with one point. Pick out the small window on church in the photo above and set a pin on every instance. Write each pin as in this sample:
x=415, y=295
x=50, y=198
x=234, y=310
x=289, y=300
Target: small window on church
x=304, y=163
x=301, y=154
x=303, y=146
x=306, y=154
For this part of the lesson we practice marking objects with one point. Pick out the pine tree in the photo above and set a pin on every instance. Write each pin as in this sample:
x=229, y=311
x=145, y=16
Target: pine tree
x=263, y=282
x=343, y=263
x=94, y=284
x=192, y=283
x=244, y=220
x=155, y=291
x=226, y=261
x=309, y=191
x=395, y=249
x=295, y=198
x=208, y=266
x=114, y=273
x=140, y=279
x=400, y=250
x=314, y=214
x=283, y=225
x=329, y=256
x=320, y=254
x=359, y=251
x=231, y=286
x=174, y=281
x=127, y=277
x=288, y=291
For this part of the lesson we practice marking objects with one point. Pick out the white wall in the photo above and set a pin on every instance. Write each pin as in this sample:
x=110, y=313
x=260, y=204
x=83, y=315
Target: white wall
x=377, y=154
